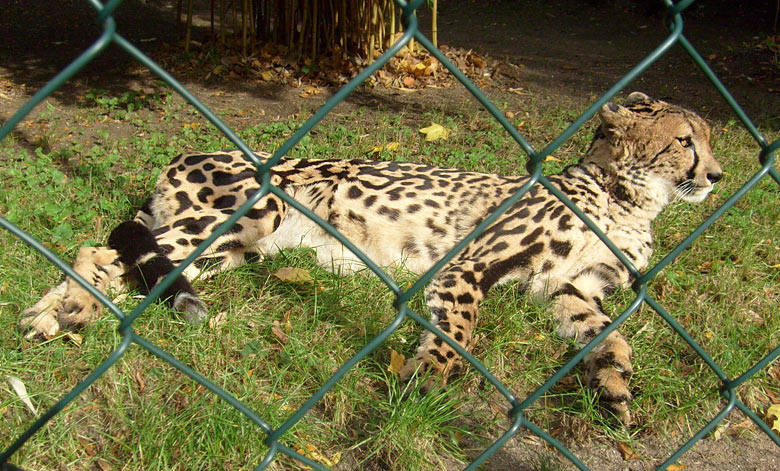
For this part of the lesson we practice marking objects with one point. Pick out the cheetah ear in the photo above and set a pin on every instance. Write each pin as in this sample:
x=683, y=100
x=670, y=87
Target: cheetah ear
x=615, y=118
x=637, y=97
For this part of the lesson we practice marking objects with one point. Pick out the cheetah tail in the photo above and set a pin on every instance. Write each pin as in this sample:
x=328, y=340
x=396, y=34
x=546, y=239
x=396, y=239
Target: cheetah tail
x=147, y=264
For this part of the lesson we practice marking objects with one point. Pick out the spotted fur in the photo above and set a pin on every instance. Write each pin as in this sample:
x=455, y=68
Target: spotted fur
x=643, y=156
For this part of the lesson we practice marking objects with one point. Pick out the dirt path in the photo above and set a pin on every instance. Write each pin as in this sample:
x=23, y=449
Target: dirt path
x=569, y=50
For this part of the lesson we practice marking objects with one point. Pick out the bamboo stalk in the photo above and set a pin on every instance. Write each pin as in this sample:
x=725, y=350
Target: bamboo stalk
x=289, y=9
x=372, y=31
x=304, y=25
x=188, y=33
x=434, y=24
x=393, y=20
x=244, y=12
x=252, y=26
x=343, y=26
x=235, y=20
x=380, y=9
x=315, y=21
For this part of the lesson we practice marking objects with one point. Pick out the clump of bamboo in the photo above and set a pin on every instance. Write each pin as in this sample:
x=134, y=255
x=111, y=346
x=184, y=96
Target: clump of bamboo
x=354, y=29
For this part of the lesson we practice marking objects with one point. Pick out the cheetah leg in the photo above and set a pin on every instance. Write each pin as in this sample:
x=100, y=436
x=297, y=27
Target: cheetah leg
x=69, y=305
x=577, y=305
x=454, y=304
x=148, y=264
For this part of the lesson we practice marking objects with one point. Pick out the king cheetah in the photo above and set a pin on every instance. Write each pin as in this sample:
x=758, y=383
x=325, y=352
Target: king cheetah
x=645, y=154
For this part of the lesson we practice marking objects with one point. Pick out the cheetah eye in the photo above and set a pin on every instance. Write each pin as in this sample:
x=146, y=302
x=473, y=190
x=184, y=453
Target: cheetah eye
x=686, y=142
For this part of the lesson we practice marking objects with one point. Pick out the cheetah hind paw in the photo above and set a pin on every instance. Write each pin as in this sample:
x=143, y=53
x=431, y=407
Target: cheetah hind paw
x=43, y=323
x=194, y=309
x=611, y=382
x=40, y=319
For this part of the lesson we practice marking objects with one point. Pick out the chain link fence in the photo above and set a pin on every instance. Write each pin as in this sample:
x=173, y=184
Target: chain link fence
x=516, y=407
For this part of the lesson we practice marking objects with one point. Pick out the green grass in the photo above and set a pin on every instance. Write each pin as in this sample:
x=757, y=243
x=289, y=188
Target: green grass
x=73, y=174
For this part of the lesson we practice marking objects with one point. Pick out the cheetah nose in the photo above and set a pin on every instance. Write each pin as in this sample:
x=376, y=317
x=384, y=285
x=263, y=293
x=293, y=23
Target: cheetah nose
x=714, y=177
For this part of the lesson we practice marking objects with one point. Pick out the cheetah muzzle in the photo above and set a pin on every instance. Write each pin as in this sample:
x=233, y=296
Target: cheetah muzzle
x=644, y=155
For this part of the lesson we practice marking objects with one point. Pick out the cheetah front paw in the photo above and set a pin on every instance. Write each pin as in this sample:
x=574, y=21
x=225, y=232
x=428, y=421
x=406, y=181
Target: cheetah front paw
x=608, y=371
x=428, y=374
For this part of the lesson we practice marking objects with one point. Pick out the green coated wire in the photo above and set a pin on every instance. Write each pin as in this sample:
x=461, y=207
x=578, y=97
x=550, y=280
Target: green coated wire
x=675, y=23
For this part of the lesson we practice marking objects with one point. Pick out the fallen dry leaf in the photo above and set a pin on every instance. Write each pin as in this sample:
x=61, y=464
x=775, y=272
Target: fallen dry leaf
x=139, y=378
x=21, y=391
x=517, y=91
x=293, y=275
x=705, y=267
x=104, y=465
x=397, y=362
x=434, y=132
x=309, y=91
x=217, y=320
x=310, y=451
x=389, y=147
x=77, y=339
x=627, y=452
x=717, y=434
x=676, y=467
x=88, y=447
x=276, y=329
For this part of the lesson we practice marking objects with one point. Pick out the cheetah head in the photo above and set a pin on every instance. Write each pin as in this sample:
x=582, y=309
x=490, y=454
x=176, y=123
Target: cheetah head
x=656, y=151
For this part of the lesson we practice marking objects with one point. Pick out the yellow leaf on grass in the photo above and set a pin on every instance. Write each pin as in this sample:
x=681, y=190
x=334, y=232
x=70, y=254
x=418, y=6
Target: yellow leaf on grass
x=310, y=451
x=77, y=339
x=676, y=467
x=774, y=411
x=397, y=362
x=293, y=275
x=389, y=147
x=550, y=158
x=435, y=131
